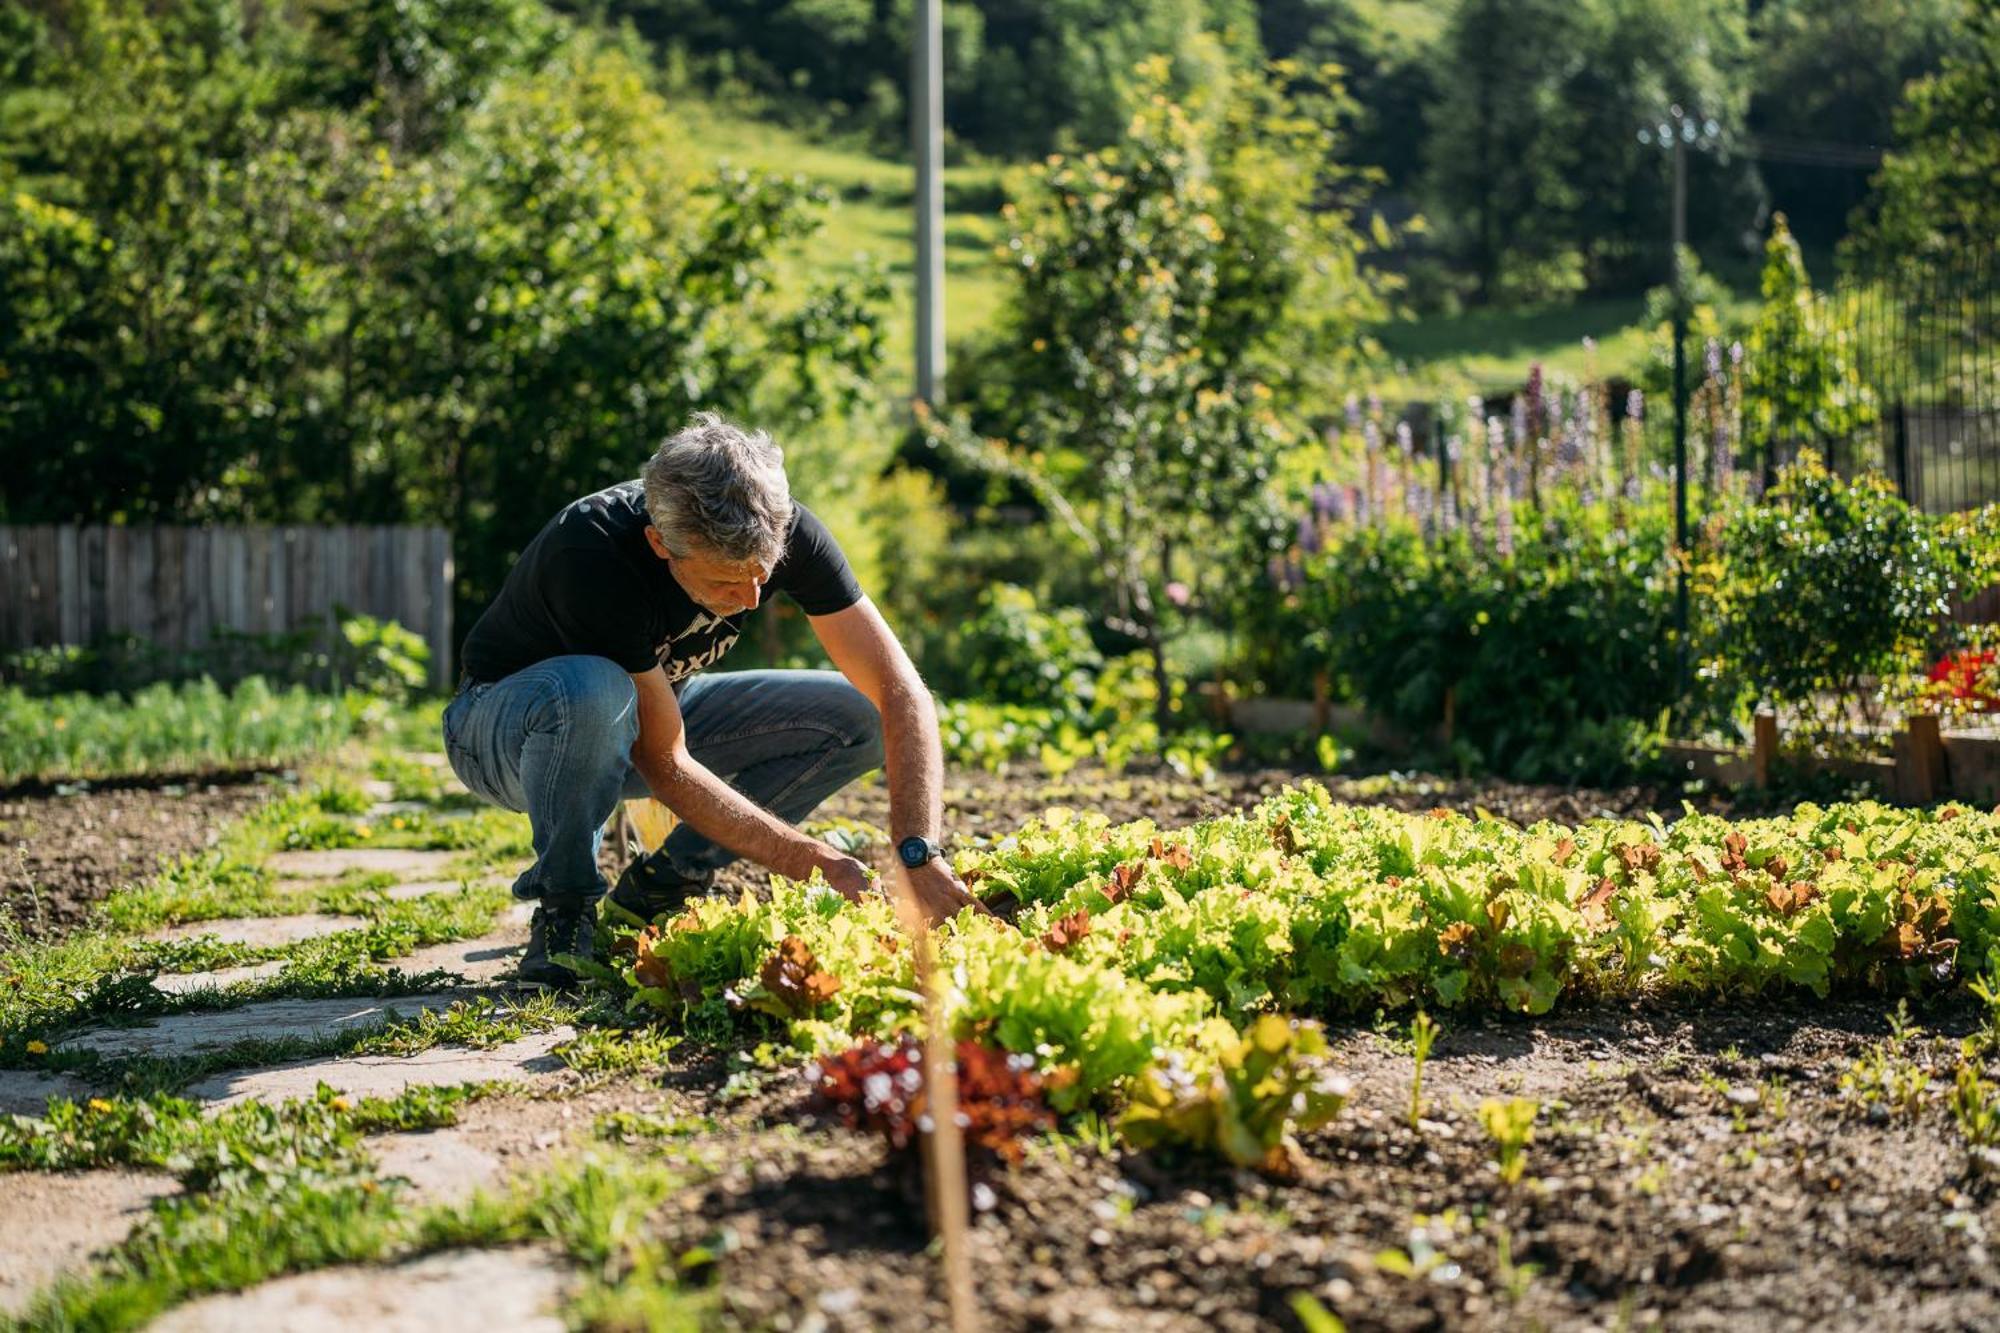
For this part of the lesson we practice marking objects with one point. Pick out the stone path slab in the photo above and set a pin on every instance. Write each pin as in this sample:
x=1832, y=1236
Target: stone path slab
x=525, y=1060
x=27, y=1091
x=184, y=983
x=460, y=1291
x=263, y=930
x=56, y=1220
x=481, y=962
x=191, y=1033
x=332, y=863
x=442, y=1166
x=423, y=888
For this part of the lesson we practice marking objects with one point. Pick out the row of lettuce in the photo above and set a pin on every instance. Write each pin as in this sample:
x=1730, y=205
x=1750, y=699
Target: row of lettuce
x=1129, y=946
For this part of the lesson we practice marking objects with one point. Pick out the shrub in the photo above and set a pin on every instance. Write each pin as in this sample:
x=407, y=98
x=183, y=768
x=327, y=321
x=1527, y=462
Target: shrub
x=1831, y=591
x=1557, y=651
x=1015, y=652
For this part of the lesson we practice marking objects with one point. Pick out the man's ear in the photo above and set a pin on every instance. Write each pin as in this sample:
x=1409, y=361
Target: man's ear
x=658, y=543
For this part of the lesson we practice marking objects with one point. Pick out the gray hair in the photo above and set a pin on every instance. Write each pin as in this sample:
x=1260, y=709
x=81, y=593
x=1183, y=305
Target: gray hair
x=718, y=488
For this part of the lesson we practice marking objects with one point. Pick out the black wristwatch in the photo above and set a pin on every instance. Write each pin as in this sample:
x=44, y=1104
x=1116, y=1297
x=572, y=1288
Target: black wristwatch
x=917, y=851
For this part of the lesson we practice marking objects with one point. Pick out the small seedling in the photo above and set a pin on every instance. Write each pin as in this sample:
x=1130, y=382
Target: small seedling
x=1975, y=1103
x=1511, y=1122
x=1423, y=1034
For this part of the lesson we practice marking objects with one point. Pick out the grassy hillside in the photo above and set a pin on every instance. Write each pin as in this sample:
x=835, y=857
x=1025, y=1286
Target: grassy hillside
x=872, y=217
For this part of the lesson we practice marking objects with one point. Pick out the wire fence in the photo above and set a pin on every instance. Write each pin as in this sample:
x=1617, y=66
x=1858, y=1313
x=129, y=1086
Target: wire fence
x=1897, y=369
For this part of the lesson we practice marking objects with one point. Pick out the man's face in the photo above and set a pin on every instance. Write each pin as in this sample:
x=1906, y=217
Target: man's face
x=718, y=586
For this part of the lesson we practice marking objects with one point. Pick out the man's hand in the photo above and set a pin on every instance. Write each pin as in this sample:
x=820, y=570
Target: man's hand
x=939, y=893
x=846, y=876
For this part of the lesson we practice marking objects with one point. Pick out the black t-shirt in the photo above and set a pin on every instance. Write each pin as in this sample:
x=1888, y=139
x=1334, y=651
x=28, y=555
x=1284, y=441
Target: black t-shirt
x=589, y=583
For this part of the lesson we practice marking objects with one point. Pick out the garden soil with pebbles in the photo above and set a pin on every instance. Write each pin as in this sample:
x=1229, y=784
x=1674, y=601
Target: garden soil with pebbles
x=1688, y=1172
x=1690, y=1169
x=61, y=853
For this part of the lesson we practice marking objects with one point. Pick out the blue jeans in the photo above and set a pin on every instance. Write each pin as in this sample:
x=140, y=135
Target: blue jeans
x=554, y=741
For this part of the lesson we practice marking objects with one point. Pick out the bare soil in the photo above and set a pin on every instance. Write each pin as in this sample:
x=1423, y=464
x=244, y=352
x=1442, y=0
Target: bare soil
x=1690, y=1170
x=63, y=850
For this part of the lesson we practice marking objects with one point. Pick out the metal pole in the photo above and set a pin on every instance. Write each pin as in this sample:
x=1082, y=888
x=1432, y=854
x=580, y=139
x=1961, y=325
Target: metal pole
x=927, y=146
x=1680, y=404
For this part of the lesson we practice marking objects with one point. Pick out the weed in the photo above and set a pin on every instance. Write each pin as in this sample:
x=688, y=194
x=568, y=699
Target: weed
x=1423, y=1034
x=1511, y=1124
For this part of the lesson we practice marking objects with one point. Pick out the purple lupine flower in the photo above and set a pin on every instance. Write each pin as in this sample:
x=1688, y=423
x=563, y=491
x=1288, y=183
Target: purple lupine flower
x=1454, y=448
x=1503, y=530
x=1713, y=355
x=1736, y=355
x=1404, y=440
x=1635, y=406
x=1353, y=412
x=1322, y=500
x=1569, y=446
x=1371, y=435
x=1520, y=419
x=1374, y=405
x=1308, y=535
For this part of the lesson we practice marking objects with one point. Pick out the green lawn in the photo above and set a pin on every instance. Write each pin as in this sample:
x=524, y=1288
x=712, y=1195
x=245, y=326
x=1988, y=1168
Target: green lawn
x=871, y=216
x=1494, y=348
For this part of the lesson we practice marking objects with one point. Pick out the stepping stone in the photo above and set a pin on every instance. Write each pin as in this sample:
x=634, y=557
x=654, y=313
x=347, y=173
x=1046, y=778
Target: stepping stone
x=424, y=888
x=387, y=1075
x=408, y=863
x=56, y=1221
x=441, y=1166
x=191, y=1033
x=263, y=929
x=183, y=983
x=517, y=1289
x=480, y=962
x=27, y=1092
x=378, y=789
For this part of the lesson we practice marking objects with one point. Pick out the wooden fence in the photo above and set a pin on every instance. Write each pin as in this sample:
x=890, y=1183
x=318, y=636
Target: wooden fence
x=173, y=586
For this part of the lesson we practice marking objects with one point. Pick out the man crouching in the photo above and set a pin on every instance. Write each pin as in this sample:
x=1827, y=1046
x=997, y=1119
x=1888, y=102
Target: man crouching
x=579, y=690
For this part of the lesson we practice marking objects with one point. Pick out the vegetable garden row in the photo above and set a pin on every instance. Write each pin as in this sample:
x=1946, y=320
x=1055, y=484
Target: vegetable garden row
x=1142, y=969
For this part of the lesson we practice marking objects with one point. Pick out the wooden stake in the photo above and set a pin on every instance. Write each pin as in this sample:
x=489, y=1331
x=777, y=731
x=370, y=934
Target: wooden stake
x=1926, y=759
x=1764, y=748
x=944, y=1146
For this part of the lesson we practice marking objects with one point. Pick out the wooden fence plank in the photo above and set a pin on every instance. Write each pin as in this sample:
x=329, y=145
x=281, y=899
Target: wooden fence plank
x=69, y=586
x=175, y=586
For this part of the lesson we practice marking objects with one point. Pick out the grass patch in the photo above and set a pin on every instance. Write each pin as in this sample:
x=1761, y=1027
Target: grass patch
x=592, y=1208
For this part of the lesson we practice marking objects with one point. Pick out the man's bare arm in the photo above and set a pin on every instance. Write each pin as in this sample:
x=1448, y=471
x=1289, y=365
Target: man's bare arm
x=868, y=653
x=717, y=810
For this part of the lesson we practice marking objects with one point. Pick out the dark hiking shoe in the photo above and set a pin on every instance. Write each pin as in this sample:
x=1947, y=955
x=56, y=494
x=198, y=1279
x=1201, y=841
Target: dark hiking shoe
x=562, y=927
x=651, y=888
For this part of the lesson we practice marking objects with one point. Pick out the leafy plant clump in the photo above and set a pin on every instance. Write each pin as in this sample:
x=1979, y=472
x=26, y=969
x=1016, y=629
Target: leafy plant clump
x=1263, y=1090
x=878, y=1087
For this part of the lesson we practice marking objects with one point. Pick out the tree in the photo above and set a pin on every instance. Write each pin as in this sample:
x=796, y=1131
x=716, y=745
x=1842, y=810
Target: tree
x=1169, y=288
x=1804, y=384
x=1539, y=181
x=1504, y=140
x=1936, y=188
x=1833, y=71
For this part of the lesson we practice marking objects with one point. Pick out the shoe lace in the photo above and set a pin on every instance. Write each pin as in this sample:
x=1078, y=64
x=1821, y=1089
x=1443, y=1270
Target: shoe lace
x=561, y=926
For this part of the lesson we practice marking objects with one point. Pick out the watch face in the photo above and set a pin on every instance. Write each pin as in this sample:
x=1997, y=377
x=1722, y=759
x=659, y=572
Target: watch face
x=914, y=851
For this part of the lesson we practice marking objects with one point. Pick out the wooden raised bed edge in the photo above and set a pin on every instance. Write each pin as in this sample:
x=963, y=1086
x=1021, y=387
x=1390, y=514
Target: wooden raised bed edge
x=1929, y=763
